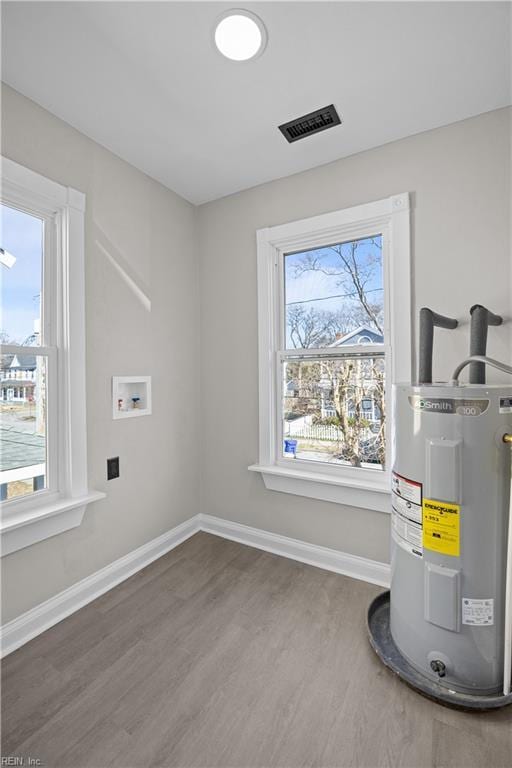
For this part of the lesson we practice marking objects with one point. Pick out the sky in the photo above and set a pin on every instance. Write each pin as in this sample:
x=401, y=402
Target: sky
x=318, y=291
x=21, y=235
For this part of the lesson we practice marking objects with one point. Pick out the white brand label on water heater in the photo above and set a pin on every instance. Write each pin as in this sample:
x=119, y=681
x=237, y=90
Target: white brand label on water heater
x=479, y=613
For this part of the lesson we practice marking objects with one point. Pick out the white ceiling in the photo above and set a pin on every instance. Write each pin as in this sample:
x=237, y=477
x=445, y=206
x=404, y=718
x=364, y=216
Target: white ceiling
x=144, y=80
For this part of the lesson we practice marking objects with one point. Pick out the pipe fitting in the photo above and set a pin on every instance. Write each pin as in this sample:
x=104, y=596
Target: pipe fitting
x=481, y=319
x=428, y=321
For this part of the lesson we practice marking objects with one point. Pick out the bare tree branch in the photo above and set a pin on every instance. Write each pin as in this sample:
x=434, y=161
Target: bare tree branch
x=354, y=273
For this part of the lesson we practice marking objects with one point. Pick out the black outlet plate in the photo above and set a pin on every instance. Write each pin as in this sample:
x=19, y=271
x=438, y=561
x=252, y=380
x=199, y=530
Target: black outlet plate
x=113, y=468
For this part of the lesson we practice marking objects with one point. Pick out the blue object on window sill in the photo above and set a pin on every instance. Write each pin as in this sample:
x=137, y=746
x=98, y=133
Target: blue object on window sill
x=290, y=446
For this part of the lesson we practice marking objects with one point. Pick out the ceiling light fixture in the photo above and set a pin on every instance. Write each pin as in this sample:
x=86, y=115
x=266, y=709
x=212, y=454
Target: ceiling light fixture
x=240, y=35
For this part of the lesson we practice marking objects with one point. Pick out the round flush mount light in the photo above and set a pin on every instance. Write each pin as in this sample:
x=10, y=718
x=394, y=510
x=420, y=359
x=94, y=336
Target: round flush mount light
x=240, y=35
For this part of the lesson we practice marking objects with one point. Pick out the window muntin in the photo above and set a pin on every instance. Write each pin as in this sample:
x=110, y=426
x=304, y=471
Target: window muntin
x=332, y=291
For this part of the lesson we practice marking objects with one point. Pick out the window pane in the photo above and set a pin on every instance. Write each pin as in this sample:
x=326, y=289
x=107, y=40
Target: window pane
x=334, y=411
x=334, y=295
x=21, y=240
x=22, y=424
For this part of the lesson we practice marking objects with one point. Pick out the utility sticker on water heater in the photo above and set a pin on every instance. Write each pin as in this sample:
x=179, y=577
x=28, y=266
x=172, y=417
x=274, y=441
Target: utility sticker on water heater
x=406, y=517
x=505, y=404
x=441, y=527
x=410, y=490
x=477, y=612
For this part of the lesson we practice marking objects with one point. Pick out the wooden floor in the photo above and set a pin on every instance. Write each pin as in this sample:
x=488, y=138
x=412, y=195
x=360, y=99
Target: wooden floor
x=221, y=655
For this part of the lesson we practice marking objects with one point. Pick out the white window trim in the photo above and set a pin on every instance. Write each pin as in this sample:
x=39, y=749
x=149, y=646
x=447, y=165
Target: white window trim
x=62, y=506
x=355, y=487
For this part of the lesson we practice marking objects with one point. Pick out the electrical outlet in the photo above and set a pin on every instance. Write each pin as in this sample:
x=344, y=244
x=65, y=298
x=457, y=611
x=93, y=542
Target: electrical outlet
x=113, y=468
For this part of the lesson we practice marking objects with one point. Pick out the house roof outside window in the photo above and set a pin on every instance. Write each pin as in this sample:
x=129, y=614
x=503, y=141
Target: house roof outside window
x=361, y=335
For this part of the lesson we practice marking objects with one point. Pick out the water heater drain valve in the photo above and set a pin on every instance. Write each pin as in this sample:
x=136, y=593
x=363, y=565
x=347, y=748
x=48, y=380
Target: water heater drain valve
x=438, y=666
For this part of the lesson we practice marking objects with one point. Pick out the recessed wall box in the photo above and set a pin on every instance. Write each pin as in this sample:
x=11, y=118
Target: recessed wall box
x=131, y=396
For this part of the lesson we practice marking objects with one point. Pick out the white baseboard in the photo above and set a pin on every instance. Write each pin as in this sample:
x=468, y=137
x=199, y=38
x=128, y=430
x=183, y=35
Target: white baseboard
x=322, y=557
x=30, y=624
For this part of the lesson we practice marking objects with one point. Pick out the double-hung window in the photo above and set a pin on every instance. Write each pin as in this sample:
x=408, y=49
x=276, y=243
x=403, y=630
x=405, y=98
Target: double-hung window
x=43, y=472
x=334, y=333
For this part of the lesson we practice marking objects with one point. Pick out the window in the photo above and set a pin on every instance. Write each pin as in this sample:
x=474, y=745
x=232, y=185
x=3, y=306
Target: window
x=331, y=340
x=23, y=372
x=333, y=296
x=43, y=472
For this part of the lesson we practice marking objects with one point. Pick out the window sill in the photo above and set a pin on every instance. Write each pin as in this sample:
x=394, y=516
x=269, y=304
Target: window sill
x=39, y=523
x=373, y=495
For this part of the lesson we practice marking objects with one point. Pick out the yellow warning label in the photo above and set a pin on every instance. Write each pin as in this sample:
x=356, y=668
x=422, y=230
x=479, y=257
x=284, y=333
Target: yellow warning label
x=441, y=527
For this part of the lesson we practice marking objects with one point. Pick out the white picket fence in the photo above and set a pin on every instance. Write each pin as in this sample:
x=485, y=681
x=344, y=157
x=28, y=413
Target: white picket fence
x=298, y=428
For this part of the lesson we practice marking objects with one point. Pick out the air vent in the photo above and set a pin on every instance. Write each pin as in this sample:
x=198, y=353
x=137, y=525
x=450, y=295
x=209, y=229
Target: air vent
x=307, y=125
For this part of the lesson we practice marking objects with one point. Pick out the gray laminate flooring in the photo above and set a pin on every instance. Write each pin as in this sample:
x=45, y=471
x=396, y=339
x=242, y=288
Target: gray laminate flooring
x=222, y=655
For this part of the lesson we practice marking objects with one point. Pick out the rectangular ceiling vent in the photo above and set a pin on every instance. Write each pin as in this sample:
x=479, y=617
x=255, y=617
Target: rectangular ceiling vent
x=307, y=125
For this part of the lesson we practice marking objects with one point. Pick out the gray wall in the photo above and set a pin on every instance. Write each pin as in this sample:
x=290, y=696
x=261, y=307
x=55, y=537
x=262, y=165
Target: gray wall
x=149, y=232
x=459, y=178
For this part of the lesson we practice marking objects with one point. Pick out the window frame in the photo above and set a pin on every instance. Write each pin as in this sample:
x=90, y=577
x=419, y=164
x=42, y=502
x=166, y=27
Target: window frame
x=389, y=217
x=61, y=505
